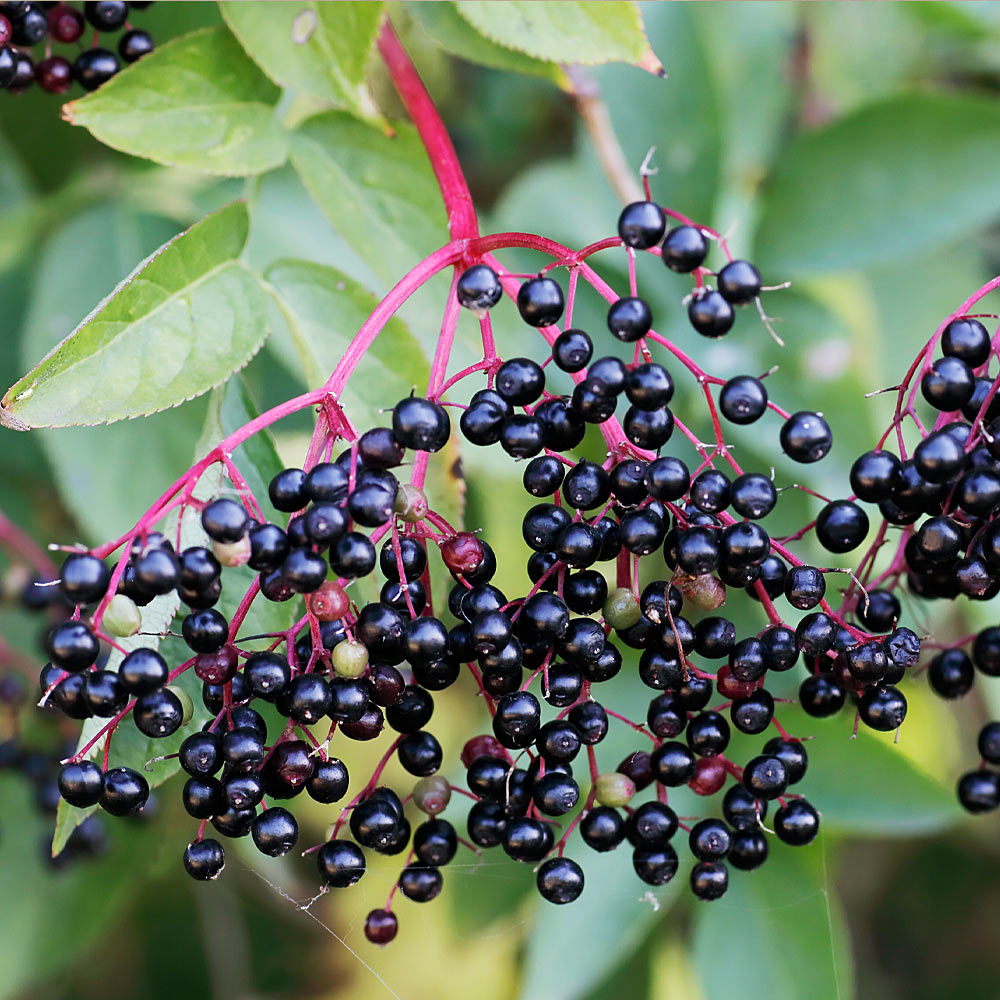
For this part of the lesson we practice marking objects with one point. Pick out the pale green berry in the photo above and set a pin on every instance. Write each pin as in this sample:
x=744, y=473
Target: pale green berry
x=349, y=659
x=232, y=553
x=187, y=705
x=432, y=795
x=621, y=609
x=411, y=503
x=613, y=789
x=122, y=616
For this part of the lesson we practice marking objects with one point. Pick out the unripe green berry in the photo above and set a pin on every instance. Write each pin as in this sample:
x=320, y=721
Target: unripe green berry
x=411, y=503
x=187, y=705
x=234, y=553
x=122, y=616
x=349, y=658
x=621, y=609
x=613, y=789
x=432, y=795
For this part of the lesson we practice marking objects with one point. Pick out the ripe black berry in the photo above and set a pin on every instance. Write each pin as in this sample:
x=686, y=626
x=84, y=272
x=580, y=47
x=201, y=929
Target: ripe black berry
x=540, y=302
x=479, y=288
x=710, y=314
x=560, y=880
x=642, y=224
x=684, y=249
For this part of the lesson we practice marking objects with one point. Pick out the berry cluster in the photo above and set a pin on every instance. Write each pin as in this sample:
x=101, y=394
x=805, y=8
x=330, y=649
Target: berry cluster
x=24, y=26
x=676, y=543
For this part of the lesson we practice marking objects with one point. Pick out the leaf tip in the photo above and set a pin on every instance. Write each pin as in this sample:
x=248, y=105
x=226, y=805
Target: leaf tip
x=651, y=64
x=8, y=420
x=68, y=111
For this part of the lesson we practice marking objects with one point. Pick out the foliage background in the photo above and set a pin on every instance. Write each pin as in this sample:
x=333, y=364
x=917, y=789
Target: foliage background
x=851, y=148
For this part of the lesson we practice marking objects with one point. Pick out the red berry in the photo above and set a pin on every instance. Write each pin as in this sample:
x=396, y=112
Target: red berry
x=481, y=746
x=709, y=776
x=329, y=602
x=730, y=687
x=217, y=667
x=65, y=23
x=639, y=768
x=462, y=553
x=381, y=926
x=5, y=30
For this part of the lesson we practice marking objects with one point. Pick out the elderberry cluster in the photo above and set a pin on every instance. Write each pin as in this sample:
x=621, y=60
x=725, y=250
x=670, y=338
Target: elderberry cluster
x=678, y=543
x=24, y=27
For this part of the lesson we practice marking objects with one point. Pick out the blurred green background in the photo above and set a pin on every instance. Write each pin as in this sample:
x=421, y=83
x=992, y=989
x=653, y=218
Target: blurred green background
x=850, y=148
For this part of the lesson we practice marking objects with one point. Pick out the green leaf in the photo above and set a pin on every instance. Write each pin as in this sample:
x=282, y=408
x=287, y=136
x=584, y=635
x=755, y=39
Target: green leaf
x=179, y=324
x=868, y=786
x=324, y=310
x=443, y=23
x=608, y=922
x=318, y=48
x=777, y=933
x=51, y=918
x=106, y=475
x=891, y=180
x=574, y=31
x=377, y=192
x=197, y=102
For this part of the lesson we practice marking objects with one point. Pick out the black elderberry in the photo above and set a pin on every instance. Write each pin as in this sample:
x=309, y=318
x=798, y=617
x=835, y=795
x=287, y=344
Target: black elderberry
x=642, y=224
x=805, y=587
x=204, y=859
x=948, y=385
x=83, y=578
x=629, y=319
x=527, y=840
x=94, y=67
x=805, y=437
x=841, y=526
x=649, y=429
x=989, y=742
x=420, y=754
x=710, y=314
x=874, y=474
x=882, y=709
x=753, y=495
x=753, y=714
x=522, y=436
x=710, y=840
x=542, y=525
x=707, y=734
x=520, y=381
x=820, y=696
x=341, y=863
x=968, y=340
x=275, y=832
x=225, y=520
x=543, y=476
x=478, y=288
x=741, y=809
x=412, y=712
x=287, y=490
x=106, y=15
x=684, y=249
x=420, y=425
x=796, y=823
x=602, y=828
x=201, y=754
x=202, y=797
x=81, y=784
x=125, y=792
x=328, y=782
x=765, y=777
x=939, y=457
x=72, y=645
x=572, y=350
x=739, y=282
x=585, y=592
x=234, y=822
x=593, y=401
x=133, y=45
x=709, y=880
x=540, y=302
x=667, y=478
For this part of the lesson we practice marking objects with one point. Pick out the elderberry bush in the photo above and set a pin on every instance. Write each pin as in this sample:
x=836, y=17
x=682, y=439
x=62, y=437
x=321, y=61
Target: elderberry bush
x=28, y=31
